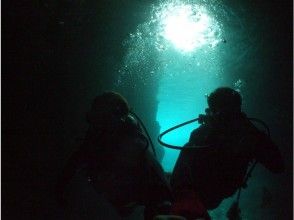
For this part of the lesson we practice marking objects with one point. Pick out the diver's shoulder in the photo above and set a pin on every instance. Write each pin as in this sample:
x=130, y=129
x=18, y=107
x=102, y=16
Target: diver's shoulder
x=202, y=128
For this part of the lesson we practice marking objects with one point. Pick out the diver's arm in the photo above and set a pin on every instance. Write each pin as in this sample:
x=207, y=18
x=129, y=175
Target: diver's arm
x=67, y=173
x=263, y=148
x=157, y=176
x=182, y=176
x=156, y=189
x=268, y=154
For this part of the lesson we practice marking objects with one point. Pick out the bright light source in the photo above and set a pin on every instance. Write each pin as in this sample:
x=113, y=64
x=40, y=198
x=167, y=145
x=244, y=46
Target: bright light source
x=188, y=26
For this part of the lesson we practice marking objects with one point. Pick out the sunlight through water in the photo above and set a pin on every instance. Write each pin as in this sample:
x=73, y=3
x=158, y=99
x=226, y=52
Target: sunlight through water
x=188, y=35
x=188, y=26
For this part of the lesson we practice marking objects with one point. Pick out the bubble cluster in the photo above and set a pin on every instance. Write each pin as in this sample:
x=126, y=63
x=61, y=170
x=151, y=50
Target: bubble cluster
x=186, y=26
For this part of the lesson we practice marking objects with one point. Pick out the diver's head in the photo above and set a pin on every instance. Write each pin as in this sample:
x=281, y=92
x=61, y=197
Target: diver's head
x=225, y=101
x=107, y=107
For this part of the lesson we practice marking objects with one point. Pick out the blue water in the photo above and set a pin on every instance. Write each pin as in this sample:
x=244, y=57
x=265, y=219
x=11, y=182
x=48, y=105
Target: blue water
x=181, y=98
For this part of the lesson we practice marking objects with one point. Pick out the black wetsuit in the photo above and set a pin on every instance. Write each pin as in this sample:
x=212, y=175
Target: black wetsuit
x=216, y=172
x=118, y=167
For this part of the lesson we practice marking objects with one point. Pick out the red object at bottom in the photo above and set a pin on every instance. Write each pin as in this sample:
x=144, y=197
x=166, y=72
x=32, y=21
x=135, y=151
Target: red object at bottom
x=188, y=204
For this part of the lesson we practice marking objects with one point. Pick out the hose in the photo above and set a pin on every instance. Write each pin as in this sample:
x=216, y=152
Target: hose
x=146, y=132
x=174, y=128
x=159, y=139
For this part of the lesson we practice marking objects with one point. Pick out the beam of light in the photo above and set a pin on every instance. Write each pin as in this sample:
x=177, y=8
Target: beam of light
x=187, y=35
x=188, y=26
x=177, y=45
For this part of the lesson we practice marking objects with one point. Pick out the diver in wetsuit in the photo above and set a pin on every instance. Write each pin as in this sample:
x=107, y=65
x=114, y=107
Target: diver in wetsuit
x=113, y=171
x=203, y=177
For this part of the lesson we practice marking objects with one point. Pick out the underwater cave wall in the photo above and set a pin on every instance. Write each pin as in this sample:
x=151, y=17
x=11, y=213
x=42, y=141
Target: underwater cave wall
x=58, y=56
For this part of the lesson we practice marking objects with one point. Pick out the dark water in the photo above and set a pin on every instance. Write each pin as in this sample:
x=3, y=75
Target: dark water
x=57, y=55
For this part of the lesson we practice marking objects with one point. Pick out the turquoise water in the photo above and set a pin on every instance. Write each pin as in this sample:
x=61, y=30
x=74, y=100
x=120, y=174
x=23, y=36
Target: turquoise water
x=190, y=68
x=182, y=97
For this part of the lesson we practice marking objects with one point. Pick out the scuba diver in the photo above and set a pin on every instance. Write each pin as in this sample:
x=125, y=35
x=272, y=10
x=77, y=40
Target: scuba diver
x=228, y=142
x=113, y=172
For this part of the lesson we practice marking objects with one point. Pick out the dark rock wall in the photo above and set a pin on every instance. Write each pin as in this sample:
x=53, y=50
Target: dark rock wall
x=57, y=55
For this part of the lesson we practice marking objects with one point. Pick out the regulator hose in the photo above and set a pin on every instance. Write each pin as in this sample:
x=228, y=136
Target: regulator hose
x=146, y=132
x=263, y=124
x=159, y=139
x=174, y=128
